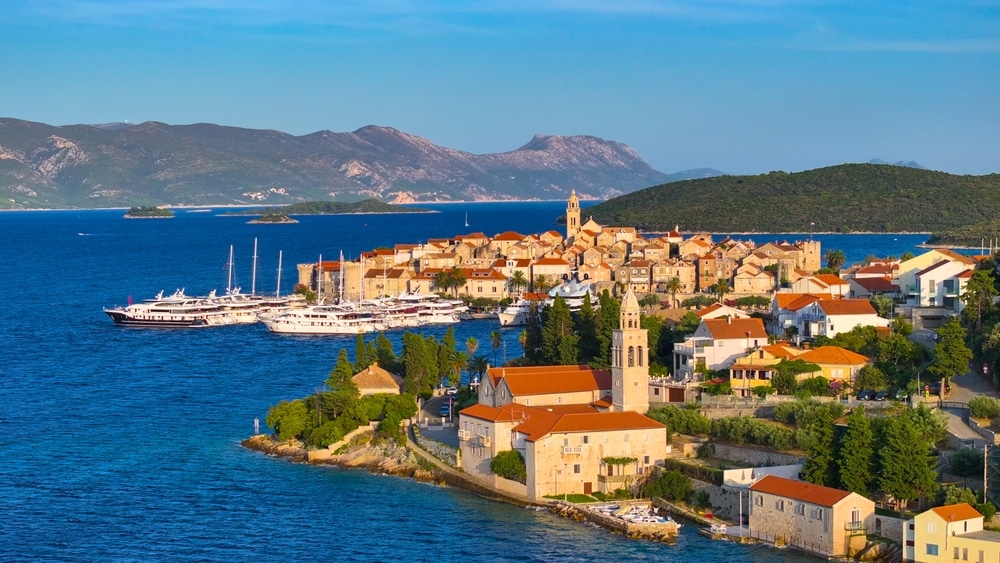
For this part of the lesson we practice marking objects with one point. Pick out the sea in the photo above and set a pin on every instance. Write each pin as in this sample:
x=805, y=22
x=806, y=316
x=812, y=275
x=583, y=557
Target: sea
x=123, y=444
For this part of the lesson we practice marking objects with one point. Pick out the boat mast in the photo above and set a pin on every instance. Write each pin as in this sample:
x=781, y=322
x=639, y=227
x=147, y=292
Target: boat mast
x=319, y=280
x=341, y=276
x=277, y=292
x=253, y=276
x=229, y=283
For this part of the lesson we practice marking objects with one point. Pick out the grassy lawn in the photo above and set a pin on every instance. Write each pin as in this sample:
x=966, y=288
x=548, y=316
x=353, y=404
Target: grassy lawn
x=575, y=498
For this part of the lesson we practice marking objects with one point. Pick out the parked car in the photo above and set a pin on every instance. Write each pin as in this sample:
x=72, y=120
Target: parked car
x=935, y=388
x=866, y=395
x=881, y=395
x=451, y=391
x=446, y=408
x=902, y=395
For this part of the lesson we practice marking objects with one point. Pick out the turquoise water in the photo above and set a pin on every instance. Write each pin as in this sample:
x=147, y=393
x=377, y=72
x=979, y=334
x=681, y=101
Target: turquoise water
x=123, y=444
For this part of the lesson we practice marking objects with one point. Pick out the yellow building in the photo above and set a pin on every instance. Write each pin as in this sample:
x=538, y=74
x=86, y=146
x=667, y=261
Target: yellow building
x=950, y=533
x=757, y=368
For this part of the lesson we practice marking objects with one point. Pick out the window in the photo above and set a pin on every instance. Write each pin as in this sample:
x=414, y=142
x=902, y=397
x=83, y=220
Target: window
x=965, y=554
x=780, y=505
x=626, y=437
x=645, y=460
x=981, y=557
x=758, y=500
x=656, y=391
x=565, y=442
x=931, y=528
x=932, y=549
x=800, y=509
x=576, y=468
x=956, y=553
x=586, y=439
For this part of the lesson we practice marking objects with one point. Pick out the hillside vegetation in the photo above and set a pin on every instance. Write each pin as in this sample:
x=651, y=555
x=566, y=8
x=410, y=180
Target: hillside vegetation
x=370, y=205
x=979, y=234
x=844, y=198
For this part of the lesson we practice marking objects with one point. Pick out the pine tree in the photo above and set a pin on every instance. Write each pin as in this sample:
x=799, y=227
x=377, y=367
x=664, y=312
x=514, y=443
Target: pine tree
x=820, y=467
x=359, y=353
x=608, y=319
x=533, y=335
x=907, y=468
x=341, y=378
x=857, y=454
x=951, y=355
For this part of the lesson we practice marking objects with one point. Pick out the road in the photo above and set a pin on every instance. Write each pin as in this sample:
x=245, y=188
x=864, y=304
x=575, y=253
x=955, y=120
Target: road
x=963, y=389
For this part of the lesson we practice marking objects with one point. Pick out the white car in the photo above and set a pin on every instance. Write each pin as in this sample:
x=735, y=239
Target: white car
x=451, y=391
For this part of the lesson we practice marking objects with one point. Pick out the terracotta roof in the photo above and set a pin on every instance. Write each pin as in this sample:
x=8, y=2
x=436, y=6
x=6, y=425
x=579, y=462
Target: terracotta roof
x=802, y=302
x=374, y=377
x=604, y=402
x=730, y=328
x=847, y=307
x=878, y=269
x=957, y=512
x=779, y=351
x=510, y=412
x=786, y=299
x=546, y=380
x=551, y=262
x=876, y=284
x=956, y=256
x=508, y=235
x=799, y=490
x=711, y=308
x=832, y=355
x=965, y=275
x=540, y=424
x=570, y=409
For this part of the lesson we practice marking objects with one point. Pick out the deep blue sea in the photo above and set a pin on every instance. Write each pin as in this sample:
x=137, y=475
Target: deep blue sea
x=123, y=444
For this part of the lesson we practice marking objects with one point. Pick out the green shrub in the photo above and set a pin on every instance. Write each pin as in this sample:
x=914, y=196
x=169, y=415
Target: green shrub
x=670, y=485
x=802, y=413
x=682, y=421
x=510, y=465
x=749, y=430
x=704, y=473
x=984, y=407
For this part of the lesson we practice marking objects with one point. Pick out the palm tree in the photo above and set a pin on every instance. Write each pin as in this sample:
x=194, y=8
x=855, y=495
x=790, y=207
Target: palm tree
x=471, y=344
x=674, y=287
x=518, y=281
x=835, y=259
x=523, y=339
x=721, y=288
x=458, y=361
x=497, y=341
x=542, y=283
x=442, y=281
x=478, y=365
x=456, y=279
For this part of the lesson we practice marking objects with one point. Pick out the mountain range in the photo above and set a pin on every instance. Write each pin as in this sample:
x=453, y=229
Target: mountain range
x=152, y=163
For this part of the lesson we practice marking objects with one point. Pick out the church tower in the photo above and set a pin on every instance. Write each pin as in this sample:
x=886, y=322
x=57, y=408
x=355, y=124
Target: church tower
x=629, y=361
x=572, y=216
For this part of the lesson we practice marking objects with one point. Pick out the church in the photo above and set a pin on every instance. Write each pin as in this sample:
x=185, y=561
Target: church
x=579, y=430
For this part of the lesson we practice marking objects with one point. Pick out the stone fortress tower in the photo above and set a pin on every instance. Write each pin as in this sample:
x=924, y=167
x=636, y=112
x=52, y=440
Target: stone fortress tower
x=629, y=361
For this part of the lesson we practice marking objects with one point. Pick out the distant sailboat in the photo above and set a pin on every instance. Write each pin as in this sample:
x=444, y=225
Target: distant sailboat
x=466, y=218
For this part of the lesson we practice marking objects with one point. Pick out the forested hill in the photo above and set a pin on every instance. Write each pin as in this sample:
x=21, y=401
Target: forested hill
x=844, y=198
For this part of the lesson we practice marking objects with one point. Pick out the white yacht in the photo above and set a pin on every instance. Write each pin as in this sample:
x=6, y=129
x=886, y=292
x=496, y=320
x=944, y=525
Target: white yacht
x=574, y=293
x=175, y=311
x=516, y=314
x=326, y=319
x=433, y=310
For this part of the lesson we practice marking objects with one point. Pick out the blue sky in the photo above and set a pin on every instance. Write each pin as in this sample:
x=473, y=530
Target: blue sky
x=744, y=86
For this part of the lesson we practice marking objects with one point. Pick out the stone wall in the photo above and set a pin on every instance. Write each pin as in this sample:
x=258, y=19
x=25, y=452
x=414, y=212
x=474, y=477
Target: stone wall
x=888, y=527
x=750, y=456
x=441, y=451
x=725, y=500
x=990, y=436
x=328, y=452
x=508, y=486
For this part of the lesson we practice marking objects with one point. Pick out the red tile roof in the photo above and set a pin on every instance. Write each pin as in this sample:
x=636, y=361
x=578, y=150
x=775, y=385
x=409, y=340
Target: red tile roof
x=833, y=355
x=847, y=307
x=799, y=490
x=540, y=423
x=957, y=512
x=876, y=284
x=730, y=328
x=508, y=235
x=547, y=380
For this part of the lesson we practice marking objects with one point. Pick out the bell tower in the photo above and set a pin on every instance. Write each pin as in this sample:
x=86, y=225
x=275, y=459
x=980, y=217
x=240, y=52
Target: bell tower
x=572, y=216
x=629, y=361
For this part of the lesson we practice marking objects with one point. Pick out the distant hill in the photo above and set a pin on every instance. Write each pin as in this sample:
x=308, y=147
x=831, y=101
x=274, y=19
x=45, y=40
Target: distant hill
x=151, y=163
x=908, y=164
x=370, y=205
x=844, y=198
x=974, y=235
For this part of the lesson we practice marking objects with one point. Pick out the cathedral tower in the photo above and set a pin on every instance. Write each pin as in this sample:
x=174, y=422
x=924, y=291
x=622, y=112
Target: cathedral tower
x=572, y=216
x=630, y=361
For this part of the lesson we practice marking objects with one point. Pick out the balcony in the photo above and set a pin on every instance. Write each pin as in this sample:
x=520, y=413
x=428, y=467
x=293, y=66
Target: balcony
x=575, y=450
x=464, y=435
x=615, y=480
x=856, y=528
x=484, y=441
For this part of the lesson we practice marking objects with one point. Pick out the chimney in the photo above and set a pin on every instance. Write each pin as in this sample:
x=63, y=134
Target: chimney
x=729, y=319
x=805, y=345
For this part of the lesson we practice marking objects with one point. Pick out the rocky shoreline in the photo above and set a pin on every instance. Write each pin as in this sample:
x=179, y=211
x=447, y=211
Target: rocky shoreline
x=381, y=457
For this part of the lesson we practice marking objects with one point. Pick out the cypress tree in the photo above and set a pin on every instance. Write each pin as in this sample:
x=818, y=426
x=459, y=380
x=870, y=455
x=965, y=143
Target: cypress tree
x=559, y=343
x=857, y=454
x=608, y=320
x=820, y=467
x=446, y=354
x=586, y=329
x=384, y=353
x=533, y=335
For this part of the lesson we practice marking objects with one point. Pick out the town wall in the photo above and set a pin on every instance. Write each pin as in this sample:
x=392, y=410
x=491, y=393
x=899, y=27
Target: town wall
x=749, y=456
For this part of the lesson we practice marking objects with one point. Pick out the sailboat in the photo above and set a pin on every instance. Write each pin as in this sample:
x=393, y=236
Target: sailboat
x=466, y=218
